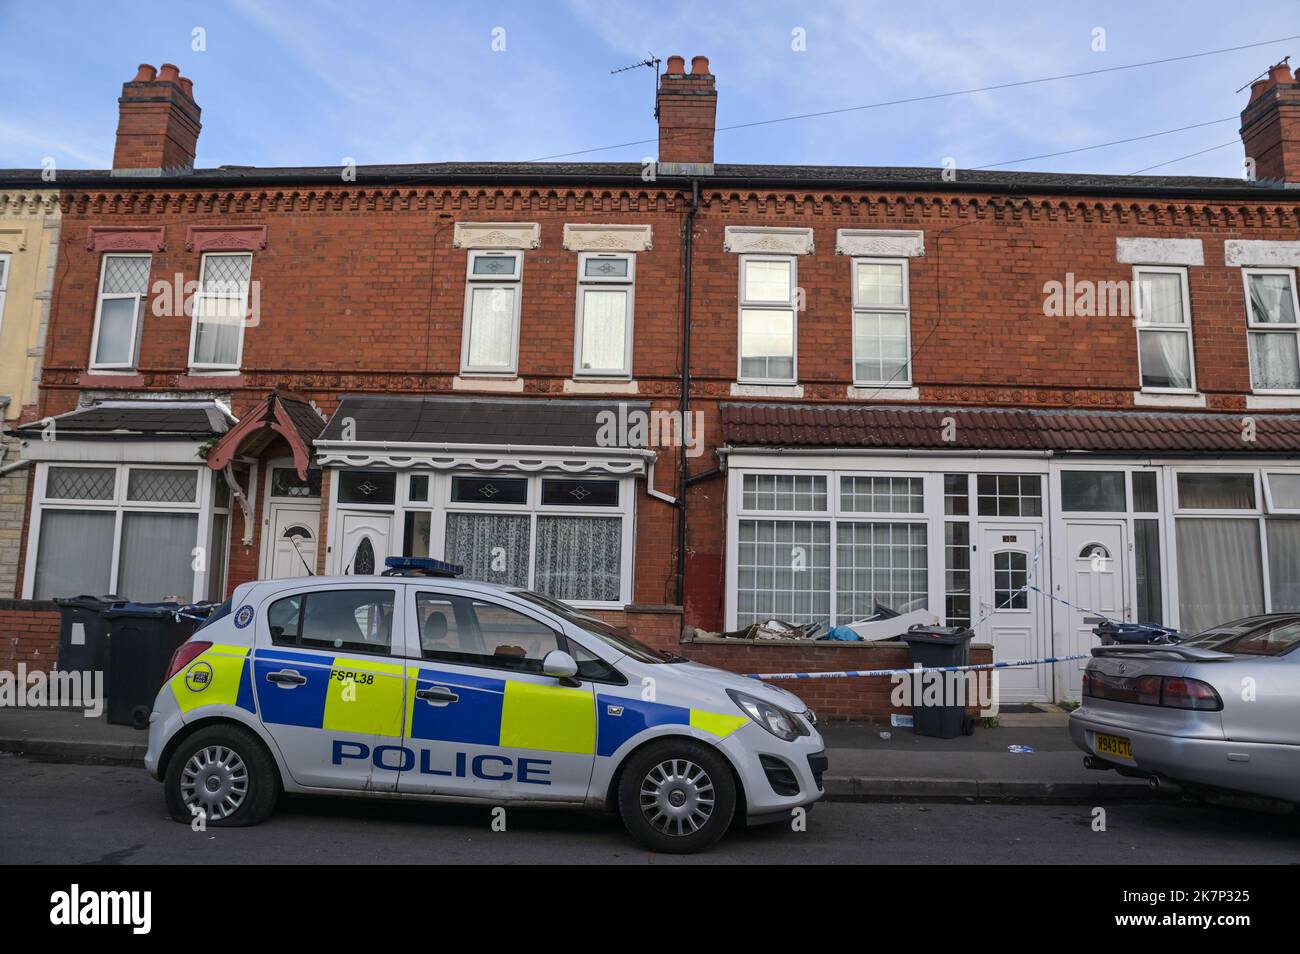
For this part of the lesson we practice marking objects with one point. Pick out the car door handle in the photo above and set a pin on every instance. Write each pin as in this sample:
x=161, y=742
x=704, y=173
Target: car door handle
x=437, y=695
x=286, y=677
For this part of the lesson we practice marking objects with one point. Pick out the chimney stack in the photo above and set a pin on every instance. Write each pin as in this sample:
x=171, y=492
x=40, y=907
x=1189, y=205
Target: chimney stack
x=687, y=104
x=157, y=124
x=1270, y=126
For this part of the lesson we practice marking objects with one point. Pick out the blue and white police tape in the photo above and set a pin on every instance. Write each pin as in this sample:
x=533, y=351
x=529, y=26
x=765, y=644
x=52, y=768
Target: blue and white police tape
x=854, y=673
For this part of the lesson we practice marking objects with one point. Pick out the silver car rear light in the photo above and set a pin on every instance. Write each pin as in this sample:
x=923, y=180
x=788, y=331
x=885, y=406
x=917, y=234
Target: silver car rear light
x=1174, y=692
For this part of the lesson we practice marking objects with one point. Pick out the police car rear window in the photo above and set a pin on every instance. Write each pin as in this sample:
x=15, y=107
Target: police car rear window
x=359, y=621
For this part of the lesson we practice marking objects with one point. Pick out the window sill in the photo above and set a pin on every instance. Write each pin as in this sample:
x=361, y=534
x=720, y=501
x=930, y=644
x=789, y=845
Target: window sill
x=601, y=386
x=1270, y=402
x=1156, y=399
x=498, y=384
x=766, y=390
x=857, y=392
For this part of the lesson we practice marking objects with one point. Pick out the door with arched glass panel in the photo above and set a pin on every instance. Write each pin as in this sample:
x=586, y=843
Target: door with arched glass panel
x=1011, y=612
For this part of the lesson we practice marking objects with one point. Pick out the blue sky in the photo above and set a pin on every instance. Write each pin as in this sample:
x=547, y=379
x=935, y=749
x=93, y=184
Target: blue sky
x=296, y=83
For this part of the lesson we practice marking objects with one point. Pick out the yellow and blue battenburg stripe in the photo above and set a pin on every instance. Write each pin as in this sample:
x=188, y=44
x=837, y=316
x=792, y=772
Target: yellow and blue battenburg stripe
x=357, y=695
x=218, y=676
x=378, y=697
x=636, y=715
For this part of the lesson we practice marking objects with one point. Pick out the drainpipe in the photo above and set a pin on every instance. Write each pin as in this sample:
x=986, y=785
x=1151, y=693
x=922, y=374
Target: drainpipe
x=685, y=403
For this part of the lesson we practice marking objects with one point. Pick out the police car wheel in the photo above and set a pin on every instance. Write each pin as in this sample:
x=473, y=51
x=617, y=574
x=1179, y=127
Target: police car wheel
x=225, y=773
x=677, y=796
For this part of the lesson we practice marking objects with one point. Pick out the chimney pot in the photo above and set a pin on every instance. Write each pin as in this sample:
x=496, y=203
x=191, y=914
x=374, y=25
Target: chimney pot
x=187, y=84
x=1280, y=73
x=168, y=73
x=676, y=65
x=699, y=66
x=1257, y=89
x=145, y=74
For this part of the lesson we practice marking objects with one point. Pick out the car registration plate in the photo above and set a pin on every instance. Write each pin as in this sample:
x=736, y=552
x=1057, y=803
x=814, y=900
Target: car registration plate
x=1115, y=745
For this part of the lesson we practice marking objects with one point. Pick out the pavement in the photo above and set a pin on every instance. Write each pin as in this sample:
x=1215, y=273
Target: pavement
x=65, y=814
x=867, y=762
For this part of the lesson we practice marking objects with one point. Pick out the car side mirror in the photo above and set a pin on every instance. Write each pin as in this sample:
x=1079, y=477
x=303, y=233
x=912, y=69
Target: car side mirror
x=559, y=665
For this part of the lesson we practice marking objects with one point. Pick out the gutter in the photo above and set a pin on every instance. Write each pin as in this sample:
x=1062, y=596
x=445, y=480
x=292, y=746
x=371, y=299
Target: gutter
x=1272, y=191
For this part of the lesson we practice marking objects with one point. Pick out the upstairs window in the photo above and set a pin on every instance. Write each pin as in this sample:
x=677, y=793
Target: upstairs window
x=767, y=319
x=604, y=334
x=881, y=322
x=1273, y=323
x=493, y=285
x=1164, y=323
x=4, y=284
x=217, y=338
x=119, y=311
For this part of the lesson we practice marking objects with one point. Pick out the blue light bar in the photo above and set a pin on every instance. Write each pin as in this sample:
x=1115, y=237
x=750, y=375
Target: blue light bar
x=420, y=566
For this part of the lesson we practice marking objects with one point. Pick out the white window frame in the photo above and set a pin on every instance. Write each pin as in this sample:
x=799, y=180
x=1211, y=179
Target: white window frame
x=136, y=323
x=1141, y=325
x=744, y=305
x=5, y=264
x=627, y=283
x=196, y=309
x=120, y=505
x=833, y=516
x=905, y=310
x=1254, y=327
x=473, y=282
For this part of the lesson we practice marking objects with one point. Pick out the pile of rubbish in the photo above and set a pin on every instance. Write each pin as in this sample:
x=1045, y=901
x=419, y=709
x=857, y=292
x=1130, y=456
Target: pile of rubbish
x=883, y=623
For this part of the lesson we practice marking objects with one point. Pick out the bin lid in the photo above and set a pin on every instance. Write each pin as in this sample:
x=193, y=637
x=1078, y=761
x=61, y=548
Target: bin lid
x=141, y=610
x=938, y=635
x=95, y=603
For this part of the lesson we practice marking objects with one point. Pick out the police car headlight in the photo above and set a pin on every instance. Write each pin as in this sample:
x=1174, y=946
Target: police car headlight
x=776, y=720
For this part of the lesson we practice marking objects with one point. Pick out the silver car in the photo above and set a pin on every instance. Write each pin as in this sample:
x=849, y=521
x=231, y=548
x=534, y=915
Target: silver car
x=1218, y=713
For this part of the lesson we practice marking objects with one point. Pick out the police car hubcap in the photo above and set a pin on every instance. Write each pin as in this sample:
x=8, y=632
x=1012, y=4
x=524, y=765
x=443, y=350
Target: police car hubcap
x=677, y=797
x=215, y=780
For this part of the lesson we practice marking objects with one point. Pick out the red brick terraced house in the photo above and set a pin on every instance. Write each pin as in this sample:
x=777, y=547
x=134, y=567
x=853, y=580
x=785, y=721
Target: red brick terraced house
x=687, y=397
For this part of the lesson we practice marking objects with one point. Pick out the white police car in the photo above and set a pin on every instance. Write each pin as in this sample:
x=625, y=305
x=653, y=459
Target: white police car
x=453, y=690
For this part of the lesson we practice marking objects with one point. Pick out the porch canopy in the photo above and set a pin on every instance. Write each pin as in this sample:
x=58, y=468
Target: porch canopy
x=281, y=414
x=1174, y=433
x=114, y=427
x=482, y=433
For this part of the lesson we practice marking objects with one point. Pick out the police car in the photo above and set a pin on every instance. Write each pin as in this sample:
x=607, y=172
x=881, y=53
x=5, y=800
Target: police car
x=451, y=690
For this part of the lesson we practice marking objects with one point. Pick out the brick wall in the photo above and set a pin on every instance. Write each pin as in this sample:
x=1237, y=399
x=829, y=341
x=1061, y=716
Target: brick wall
x=329, y=326
x=29, y=633
x=832, y=699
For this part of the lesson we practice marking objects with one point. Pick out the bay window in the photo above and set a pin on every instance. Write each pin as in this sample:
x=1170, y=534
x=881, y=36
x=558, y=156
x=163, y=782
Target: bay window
x=1273, y=326
x=768, y=321
x=569, y=538
x=1164, y=329
x=829, y=548
x=220, y=308
x=133, y=530
x=604, y=329
x=881, y=323
x=493, y=287
x=119, y=311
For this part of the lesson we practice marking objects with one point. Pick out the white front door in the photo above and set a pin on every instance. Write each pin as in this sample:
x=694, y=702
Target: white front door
x=1095, y=583
x=364, y=540
x=293, y=541
x=1008, y=560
